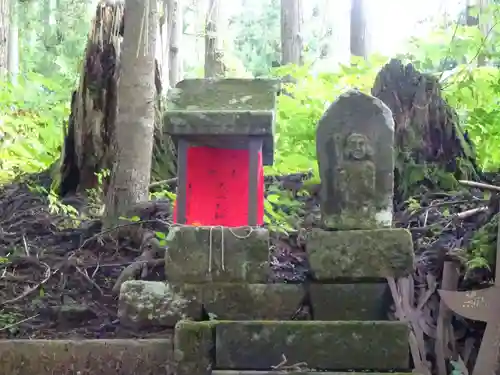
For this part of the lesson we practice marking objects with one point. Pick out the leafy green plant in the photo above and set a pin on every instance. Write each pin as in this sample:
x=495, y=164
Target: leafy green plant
x=32, y=114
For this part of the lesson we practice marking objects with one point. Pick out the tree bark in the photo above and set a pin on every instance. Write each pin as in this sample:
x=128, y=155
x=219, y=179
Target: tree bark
x=13, y=45
x=214, y=66
x=358, y=29
x=136, y=110
x=175, y=37
x=4, y=36
x=163, y=45
x=291, y=40
x=91, y=132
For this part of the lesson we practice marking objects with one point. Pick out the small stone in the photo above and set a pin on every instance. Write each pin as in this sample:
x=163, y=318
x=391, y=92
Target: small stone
x=355, y=152
x=152, y=303
x=357, y=301
x=340, y=346
x=193, y=344
x=219, y=254
x=359, y=254
x=252, y=301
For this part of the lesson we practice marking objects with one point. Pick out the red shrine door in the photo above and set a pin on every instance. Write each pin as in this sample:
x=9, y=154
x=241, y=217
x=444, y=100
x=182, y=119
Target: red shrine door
x=219, y=186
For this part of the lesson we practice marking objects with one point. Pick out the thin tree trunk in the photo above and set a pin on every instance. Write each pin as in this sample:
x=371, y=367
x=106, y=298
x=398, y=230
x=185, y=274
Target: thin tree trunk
x=175, y=32
x=214, y=66
x=4, y=36
x=163, y=46
x=291, y=40
x=484, y=26
x=131, y=173
x=358, y=29
x=13, y=45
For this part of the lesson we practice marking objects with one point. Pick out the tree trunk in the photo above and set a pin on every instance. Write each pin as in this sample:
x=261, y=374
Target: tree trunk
x=358, y=29
x=13, y=44
x=433, y=152
x=91, y=125
x=485, y=24
x=4, y=36
x=214, y=66
x=175, y=36
x=291, y=40
x=163, y=44
x=136, y=110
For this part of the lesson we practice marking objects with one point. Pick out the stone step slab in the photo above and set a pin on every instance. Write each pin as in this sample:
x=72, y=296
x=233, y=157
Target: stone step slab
x=302, y=372
x=339, y=346
x=204, y=254
x=144, y=304
x=360, y=254
x=350, y=301
x=96, y=357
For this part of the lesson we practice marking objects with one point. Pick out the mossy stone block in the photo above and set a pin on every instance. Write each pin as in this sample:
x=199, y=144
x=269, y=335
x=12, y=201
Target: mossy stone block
x=96, y=357
x=302, y=372
x=153, y=303
x=193, y=346
x=339, y=346
x=358, y=254
x=252, y=301
x=204, y=254
x=357, y=301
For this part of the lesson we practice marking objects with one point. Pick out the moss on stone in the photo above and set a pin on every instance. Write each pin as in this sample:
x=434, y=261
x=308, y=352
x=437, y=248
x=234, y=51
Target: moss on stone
x=96, y=357
x=350, y=219
x=357, y=301
x=152, y=303
x=193, y=348
x=341, y=346
x=302, y=372
x=227, y=301
x=198, y=254
x=360, y=253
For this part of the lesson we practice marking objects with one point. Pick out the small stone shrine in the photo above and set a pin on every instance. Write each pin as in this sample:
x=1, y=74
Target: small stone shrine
x=223, y=129
x=230, y=320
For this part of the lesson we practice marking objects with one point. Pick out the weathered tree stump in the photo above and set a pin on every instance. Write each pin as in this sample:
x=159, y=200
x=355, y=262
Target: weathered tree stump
x=433, y=151
x=91, y=125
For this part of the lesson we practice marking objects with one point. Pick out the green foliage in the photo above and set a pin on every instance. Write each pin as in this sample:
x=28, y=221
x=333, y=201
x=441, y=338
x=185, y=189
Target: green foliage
x=32, y=115
x=299, y=112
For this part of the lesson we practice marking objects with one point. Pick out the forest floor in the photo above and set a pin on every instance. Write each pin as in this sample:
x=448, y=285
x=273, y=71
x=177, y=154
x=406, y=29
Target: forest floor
x=57, y=274
x=57, y=278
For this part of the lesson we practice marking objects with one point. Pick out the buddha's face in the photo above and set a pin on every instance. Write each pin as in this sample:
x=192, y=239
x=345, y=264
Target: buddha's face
x=356, y=146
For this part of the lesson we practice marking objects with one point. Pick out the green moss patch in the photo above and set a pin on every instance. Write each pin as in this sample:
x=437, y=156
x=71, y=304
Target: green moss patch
x=305, y=372
x=359, y=254
x=193, y=348
x=200, y=254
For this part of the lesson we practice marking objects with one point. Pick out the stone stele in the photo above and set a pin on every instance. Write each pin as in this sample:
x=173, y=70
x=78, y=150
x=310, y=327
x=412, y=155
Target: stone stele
x=355, y=152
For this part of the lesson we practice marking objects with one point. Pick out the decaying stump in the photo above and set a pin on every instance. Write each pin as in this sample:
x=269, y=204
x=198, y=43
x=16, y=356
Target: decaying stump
x=433, y=151
x=91, y=125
